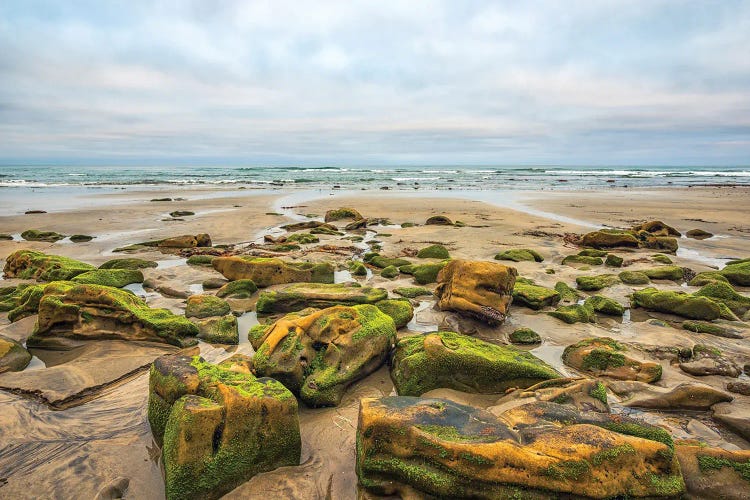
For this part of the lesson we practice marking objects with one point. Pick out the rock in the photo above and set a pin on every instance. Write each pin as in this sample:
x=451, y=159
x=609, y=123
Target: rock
x=21, y=301
x=117, y=278
x=36, y=235
x=567, y=294
x=582, y=394
x=216, y=283
x=604, y=357
x=81, y=238
x=358, y=269
x=661, y=258
x=634, y=278
x=737, y=273
x=578, y=313
x=424, y=273
x=128, y=264
x=710, y=328
x=433, y=252
x=356, y=224
x=678, y=303
x=656, y=228
x=613, y=260
x=709, y=361
x=725, y=294
x=674, y=273
x=90, y=312
x=685, y=396
x=303, y=238
x=450, y=360
x=383, y=262
x=220, y=424
x=239, y=289
x=412, y=292
x=204, y=306
x=30, y=264
x=286, y=247
x=524, y=336
x=482, y=290
x=390, y=272
x=605, y=305
x=200, y=260
x=439, y=220
x=6, y=237
x=13, y=356
x=315, y=227
x=593, y=283
x=519, y=255
x=582, y=259
x=609, y=238
x=400, y=310
x=31, y=212
x=714, y=472
x=707, y=277
x=414, y=447
x=698, y=234
x=593, y=252
x=341, y=214
x=181, y=213
x=319, y=354
x=161, y=199
x=301, y=295
x=184, y=241
x=273, y=271
x=526, y=293
x=734, y=415
x=660, y=243
x=218, y=329
x=739, y=387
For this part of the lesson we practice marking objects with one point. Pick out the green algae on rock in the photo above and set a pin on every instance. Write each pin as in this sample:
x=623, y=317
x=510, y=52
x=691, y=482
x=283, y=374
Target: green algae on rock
x=400, y=310
x=303, y=238
x=597, y=282
x=605, y=305
x=661, y=258
x=117, y=278
x=238, y=289
x=21, y=301
x=412, y=292
x=220, y=425
x=13, y=356
x=424, y=274
x=634, y=278
x=218, y=329
x=341, y=214
x=678, y=303
x=674, y=273
x=30, y=264
x=609, y=238
x=582, y=259
x=319, y=354
x=524, y=336
x=81, y=238
x=604, y=357
x=577, y=313
x=273, y=271
x=725, y=294
x=709, y=328
x=320, y=295
x=451, y=360
x=567, y=293
x=383, y=262
x=205, y=305
x=132, y=263
x=433, y=252
x=358, y=269
x=46, y=236
x=613, y=260
x=389, y=272
x=200, y=260
x=519, y=255
x=707, y=277
x=533, y=296
x=86, y=312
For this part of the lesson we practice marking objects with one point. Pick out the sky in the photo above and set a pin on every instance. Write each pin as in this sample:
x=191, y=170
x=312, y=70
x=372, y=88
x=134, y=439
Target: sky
x=591, y=82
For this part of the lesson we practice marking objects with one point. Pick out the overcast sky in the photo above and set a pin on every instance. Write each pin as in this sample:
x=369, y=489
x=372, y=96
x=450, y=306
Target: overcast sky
x=406, y=82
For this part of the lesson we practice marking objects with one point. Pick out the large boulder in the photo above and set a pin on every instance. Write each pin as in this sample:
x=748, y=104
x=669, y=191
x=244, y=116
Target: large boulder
x=419, y=447
x=13, y=356
x=21, y=301
x=206, y=305
x=604, y=357
x=725, y=294
x=273, y=271
x=117, y=278
x=479, y=289
x=220, y=425
x=318, y=354
x=85, y=312
x=343, y=213
x=451, y=360
x=30, y=264
x=678, y=303
x=656, y=228
x=737, y=272
x=321, y=295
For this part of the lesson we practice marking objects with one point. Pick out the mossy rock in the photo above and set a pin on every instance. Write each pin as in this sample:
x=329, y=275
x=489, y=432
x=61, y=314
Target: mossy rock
x=285, y=247
x=219, y=424
x=400, y=310
x=383, y=262
x=319, y=295
x=674, y=273
x=13, y=356
x=30, y=264
x=577, y=313
x=424, y=274
x=594, y=283
x=90, y=312
x=451, y=360
x=318, y=354
x=519, y=255
x=524, y=336
x=389, y=272
x=534, y=296
x=81, y=238
x=303, y=238
x=634, y=278
x=593, y=252
x=698, y=234
x=438, y=220
x=218, y=330
x=204, y=306
x=358, y=269
x=605, y=305
x=613, y=260
x=200, y=260
x=341, y=214
x=36, y=235
x=738, y=273
x=706, y=327
x=661, y=258
x=725, y=294
x=678, y=303
x=433, y=252
x=604, y=357
x=609, y=238
x=117, y=278
x=412, y=292
x=21, y=301
x=406, y=225
x=707, y=277
x=660, y=243
x=582, y=259
x=239, y=289
x=656, y=228
x=128, y=264
x=273, y=271
x=182, y=241
x=6, y=237
x=567, y=293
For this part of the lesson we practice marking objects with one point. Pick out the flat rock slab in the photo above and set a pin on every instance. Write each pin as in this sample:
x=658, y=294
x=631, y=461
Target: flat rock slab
x=20, y=330
x=94, y=367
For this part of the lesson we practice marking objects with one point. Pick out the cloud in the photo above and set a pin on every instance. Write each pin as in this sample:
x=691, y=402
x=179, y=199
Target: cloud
x=649, y=82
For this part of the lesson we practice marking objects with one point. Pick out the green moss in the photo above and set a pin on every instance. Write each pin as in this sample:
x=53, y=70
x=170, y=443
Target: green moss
x=645, y=431
x=285, y=247
x=389, y=272
x=238, y=289
x=519, y=255
x=412, y=292
x=661, y=258
x=303, y=238
x=599, y=392
x=725, y=294
x=200, y=260
x=737, y=272
x=221, y=330
x=707, y=277
x=603, y=359
x=613, y=260
x=426, y=273
x=605, y=305
x=321, y=295
x=128, y=264
x=592, y=252
x=634, y=278
x=383, y=262
x=30, y=264
x=524, y=336
x=534, y=296
x=204, y=306
x=667, y=485
x=117, y=278
x=674, y=273
x=679, y=303
x=433, y=252
x=593, y=283
x=704, y=327
x=578, y=313
x=400, y=310
x=582, y=259
x=448, y=433
x=567, y=293
x=80, y=238
x=342, y=213
x=36, y=235
x=568, y=470
x=709, y=463
x=358, y=269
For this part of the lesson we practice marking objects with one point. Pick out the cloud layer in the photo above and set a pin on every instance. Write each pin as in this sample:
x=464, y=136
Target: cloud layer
x=376, y=82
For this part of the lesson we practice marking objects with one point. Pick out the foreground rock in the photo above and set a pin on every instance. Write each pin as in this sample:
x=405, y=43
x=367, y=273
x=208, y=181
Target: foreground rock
x=682, y=397
x=318, y=354
x=710, y=361
x=13, y=356
x=220, y=424
x=87, y=312
x=410, y=447
x=301, y=295
x=21, y=301
x=266, y=272
x=454, y=361
x=30, y=264
x=678, y=303
x=482, y=290
x=604, y=357
x=714, y=472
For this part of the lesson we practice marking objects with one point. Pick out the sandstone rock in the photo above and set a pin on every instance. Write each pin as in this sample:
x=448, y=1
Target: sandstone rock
x=734, y=415
x=582, y=394
x=674, y=273
x=218, y=329
x=184, y=241
x=412, y=292
x=685, y=396
x=737, y=272
x=30, y=264
x=131, y=263
x=424, y=273
x=238, y=289
x=594, y=283
x=341, y=214
x=714, y=472
x=272, y=271
x=609, y=238
x=320, y=295
x=739, y=387
x=450, y=360
x=582, y=259
x=519, y=255
x=604, y=357
x=220, y=424
x=656, y=228
x=400, y=310
x=475, y=288
x=709, y=361
x=21, y=301
x=725, y=294
x=605, y=305
x=13, y=356
x=577, y=313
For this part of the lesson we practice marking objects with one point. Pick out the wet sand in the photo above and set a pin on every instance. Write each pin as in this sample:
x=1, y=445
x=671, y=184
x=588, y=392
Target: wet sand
x=102, y=444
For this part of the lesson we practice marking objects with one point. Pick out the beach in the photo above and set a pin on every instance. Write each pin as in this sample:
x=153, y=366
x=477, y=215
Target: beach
x=83, y=431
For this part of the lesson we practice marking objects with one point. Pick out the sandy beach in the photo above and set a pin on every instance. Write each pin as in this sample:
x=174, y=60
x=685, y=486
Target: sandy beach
x=75, y=422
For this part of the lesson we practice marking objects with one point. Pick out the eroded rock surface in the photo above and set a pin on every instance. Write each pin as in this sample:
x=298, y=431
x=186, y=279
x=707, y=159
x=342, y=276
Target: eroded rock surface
x=272, y=271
